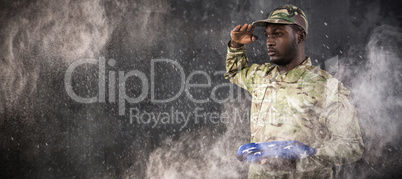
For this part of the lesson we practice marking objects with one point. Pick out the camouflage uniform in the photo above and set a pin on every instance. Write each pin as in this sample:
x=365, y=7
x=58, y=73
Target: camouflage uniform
x=305, y=104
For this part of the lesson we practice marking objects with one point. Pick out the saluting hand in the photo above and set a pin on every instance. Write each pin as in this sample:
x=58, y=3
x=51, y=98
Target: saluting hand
x=242, y=35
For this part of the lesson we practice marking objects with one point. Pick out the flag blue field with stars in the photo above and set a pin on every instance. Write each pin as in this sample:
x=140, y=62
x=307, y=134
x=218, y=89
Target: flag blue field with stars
x=291, y=150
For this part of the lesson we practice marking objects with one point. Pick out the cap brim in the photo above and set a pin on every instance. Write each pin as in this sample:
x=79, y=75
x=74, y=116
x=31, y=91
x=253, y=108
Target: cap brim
x=264, y=22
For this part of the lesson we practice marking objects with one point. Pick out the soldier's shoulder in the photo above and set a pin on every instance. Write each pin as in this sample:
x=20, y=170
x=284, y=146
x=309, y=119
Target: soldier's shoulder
x=316, y=73
x=319, y=76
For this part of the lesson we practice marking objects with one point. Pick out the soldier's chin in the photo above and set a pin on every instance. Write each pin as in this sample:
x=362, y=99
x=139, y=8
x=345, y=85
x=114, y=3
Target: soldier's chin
x=275, y=60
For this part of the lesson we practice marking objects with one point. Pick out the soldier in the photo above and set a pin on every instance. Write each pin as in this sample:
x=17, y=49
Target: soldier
x=293, y=100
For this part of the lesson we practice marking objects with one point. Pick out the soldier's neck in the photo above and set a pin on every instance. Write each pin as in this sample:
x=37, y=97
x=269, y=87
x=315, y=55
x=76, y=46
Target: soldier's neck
x=293, y=64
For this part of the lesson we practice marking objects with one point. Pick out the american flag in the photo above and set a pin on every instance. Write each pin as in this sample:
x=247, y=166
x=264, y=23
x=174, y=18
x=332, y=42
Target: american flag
x=291, y=150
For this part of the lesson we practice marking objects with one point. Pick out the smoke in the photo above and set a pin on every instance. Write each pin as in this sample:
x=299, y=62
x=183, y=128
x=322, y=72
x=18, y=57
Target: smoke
x=377, y=96
x=43, y=35
x=206, y=152
x=39, y=40
x=44, y=132
x=378, y=86
x=372, y=73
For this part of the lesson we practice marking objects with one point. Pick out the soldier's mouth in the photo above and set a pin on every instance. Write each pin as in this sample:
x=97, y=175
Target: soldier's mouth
x=271, y=53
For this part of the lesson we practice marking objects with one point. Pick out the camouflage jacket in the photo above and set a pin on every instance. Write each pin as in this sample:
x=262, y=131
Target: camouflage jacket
x=305, y=104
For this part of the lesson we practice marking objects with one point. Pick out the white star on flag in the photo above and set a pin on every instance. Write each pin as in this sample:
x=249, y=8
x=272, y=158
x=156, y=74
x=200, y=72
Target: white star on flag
x=248, y=150
x=259, y=153
x=304, y=155
x=287, y=147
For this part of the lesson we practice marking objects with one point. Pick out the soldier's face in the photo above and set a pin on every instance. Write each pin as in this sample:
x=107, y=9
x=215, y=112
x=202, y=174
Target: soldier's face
x=281, y=43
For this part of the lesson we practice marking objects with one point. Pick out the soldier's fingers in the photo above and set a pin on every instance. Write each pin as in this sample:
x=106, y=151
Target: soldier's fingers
x=244, y=27
x=237, y=28
x=249, y=28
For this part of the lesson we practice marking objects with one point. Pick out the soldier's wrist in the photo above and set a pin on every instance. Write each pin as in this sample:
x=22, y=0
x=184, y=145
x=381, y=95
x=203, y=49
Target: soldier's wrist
x=235, y=44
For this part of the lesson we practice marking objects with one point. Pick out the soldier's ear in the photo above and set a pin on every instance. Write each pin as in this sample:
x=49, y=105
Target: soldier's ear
x=301, y=36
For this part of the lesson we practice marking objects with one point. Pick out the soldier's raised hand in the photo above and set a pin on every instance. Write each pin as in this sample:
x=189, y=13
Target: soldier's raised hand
x=242, y=35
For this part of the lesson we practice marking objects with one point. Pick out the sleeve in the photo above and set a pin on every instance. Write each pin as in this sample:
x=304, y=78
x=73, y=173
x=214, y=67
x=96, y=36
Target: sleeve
x=237, y=69
x=345, y=144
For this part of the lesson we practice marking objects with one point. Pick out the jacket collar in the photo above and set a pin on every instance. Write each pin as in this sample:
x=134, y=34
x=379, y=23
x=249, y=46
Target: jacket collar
x=293, y=75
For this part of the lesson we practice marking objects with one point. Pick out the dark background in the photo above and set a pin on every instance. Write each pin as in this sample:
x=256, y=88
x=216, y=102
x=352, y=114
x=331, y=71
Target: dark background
x=46, y=134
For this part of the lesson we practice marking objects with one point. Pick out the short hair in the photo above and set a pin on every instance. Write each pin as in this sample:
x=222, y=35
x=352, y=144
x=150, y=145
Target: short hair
x=297, y=28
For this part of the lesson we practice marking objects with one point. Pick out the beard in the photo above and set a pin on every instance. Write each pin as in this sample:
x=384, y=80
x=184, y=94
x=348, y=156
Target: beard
x=289, y=54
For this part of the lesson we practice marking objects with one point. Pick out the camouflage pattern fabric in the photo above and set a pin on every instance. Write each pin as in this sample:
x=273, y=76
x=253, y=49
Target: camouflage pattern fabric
x=286, y=14
x=306, y=104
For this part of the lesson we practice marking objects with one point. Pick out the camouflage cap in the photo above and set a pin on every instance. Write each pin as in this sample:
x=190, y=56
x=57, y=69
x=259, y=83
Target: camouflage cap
x=286, y=14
